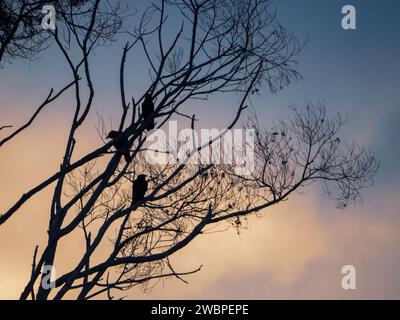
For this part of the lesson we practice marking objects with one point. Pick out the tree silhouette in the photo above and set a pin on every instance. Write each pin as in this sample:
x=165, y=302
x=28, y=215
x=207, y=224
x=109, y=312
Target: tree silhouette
x=220, y=47
x=21, y=33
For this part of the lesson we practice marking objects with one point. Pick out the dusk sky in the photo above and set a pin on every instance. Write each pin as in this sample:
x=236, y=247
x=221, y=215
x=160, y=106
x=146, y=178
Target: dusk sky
x=297, y=249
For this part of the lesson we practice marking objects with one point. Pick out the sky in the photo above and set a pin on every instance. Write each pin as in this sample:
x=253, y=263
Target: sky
x=296, y=250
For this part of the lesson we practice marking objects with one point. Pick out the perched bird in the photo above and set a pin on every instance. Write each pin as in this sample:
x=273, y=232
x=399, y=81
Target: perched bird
x=148, y=110
x=121, y=145
x=139, y=188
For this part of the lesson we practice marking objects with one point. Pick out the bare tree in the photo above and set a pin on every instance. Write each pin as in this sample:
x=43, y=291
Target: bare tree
x=21, y=32
x=21, y=36
x=221, y=47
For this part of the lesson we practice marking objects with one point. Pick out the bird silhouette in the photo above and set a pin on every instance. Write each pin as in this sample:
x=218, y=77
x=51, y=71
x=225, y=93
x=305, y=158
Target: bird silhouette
x=148, y=110
x=120, y=145
x=139, y=188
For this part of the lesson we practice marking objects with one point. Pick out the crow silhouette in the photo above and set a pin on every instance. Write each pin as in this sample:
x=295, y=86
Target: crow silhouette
x=148, y=110
x=139, y=188
x=120, y=145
